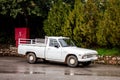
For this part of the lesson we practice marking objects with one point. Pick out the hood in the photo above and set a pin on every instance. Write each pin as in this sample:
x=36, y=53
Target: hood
x=77, y=50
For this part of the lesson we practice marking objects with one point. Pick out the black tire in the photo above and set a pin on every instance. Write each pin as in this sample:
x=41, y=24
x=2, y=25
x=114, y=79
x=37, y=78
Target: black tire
x=31, y=58
x=72, y=61
x=86, y=63
x=45, y=61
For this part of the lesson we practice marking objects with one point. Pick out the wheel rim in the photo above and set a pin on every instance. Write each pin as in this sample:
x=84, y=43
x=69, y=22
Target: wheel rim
x=72, y=61
x=31, y=58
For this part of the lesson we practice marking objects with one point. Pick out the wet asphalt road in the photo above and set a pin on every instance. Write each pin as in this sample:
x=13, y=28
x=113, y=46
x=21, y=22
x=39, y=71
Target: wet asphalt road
x=16, y=68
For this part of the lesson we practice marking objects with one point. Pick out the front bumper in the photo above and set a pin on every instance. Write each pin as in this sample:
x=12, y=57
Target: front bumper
x=88, y=59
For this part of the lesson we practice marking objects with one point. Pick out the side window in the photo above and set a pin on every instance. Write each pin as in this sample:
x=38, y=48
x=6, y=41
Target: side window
x=53, y=42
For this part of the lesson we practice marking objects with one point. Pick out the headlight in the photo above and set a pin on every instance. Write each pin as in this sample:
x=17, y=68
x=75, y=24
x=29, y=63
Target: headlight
x=84, y=57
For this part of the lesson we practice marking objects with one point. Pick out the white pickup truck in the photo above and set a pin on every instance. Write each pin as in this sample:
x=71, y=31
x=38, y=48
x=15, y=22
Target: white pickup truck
x=58, y=49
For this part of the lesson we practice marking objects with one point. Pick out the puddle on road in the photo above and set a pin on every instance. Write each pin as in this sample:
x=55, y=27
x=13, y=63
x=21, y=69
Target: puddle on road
x=27, y=72
x=94, y=74
x=67, y=73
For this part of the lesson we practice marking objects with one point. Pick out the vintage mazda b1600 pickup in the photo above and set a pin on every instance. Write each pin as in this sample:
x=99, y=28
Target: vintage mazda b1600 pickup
x=58, y=49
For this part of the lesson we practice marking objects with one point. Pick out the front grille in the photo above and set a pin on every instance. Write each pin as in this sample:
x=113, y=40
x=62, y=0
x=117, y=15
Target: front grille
x=91, y=55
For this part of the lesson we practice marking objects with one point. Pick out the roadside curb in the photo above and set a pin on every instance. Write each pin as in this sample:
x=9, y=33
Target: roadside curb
x=113, y=60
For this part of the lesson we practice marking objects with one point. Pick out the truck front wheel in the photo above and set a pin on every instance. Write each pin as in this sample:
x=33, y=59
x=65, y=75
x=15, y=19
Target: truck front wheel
x=31, y=58
x=72, y=61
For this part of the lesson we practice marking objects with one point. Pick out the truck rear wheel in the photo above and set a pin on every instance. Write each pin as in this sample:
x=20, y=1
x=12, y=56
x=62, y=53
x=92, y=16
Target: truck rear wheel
x=72, y=61
x=31, y=58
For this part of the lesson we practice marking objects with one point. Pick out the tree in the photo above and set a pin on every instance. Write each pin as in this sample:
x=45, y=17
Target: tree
x=82, y=22
x=15, y=8
x=91, y=20
x=74, y=21
x=108, y=33
x=24, y=7
x=56, y=18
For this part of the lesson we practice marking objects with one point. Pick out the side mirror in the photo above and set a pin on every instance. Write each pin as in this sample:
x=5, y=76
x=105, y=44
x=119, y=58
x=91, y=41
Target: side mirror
x=57, y=46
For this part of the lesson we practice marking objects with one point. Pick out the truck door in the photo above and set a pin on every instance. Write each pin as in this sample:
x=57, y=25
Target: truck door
x=53, y=51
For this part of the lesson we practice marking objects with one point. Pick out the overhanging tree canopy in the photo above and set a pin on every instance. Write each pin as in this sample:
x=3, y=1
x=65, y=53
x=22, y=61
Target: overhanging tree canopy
x=24, y=7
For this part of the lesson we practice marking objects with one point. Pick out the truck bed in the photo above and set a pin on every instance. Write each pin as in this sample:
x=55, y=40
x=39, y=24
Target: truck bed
x=38, y=49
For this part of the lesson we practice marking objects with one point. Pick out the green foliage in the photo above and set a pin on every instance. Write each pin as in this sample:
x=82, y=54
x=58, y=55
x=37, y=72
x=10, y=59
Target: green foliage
x=109, y=26
x=89, y=24
x=24, y=7
x=81, y=23
x=74, y=22
x=109, y=52
x=56, y=18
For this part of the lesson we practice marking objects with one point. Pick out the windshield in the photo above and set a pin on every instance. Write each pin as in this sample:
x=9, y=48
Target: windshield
x=66, y=42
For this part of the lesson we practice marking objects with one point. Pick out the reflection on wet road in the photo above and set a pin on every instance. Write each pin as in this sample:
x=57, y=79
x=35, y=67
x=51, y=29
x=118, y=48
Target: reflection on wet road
x=18, y=66
x=71, y=73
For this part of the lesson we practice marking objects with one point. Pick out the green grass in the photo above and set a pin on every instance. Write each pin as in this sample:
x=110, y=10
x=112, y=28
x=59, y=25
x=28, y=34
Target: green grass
x=109, y=52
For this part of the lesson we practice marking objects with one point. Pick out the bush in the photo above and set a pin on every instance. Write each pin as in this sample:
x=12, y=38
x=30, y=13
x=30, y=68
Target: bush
x=109, y=52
